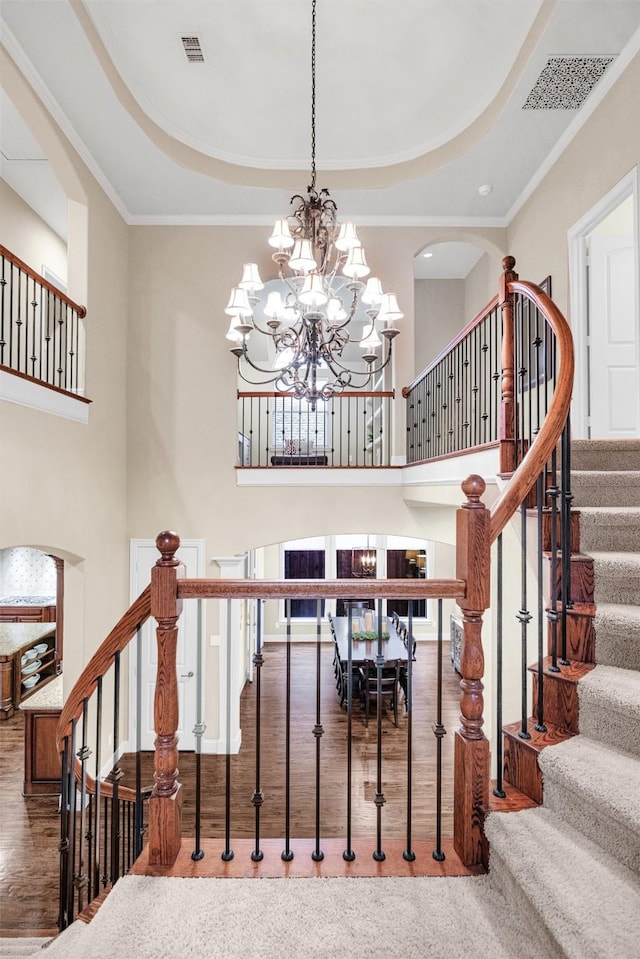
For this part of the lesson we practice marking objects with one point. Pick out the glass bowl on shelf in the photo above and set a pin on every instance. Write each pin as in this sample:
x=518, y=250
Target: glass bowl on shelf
x=30, y=681
x=31, y=668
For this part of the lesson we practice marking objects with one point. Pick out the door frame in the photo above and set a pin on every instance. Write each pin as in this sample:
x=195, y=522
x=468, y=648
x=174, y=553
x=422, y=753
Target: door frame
x=134, y=546
x=579, y=295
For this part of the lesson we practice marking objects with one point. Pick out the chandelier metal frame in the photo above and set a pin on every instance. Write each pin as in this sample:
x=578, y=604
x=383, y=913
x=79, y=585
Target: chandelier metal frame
x=321, y=264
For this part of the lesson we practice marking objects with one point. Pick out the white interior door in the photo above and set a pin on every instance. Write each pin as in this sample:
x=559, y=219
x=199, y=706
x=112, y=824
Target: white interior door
x=614, y=375
x=143, y=556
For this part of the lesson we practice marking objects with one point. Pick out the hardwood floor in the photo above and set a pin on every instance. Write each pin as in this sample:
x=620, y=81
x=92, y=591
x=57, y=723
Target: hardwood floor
x=29, y=830
x=29, y=837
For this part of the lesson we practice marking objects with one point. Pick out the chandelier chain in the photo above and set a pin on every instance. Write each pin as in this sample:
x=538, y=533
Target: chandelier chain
x=313, y=95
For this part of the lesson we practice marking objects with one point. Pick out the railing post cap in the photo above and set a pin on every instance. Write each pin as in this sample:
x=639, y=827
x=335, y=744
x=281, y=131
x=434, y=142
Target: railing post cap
x=167, y=544
x=508, y=263
x=473, y=488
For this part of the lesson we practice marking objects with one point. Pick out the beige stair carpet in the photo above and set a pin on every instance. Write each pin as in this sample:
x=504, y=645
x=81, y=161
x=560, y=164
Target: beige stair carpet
x=609, y=700
x=617, y=629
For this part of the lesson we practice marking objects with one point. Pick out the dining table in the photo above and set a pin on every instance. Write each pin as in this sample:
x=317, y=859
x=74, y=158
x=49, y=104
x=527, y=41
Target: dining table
x=366, y=650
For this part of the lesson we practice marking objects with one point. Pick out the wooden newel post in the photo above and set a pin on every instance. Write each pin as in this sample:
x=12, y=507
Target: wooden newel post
x=165, y=804
x=471, y=763
x=507, y=406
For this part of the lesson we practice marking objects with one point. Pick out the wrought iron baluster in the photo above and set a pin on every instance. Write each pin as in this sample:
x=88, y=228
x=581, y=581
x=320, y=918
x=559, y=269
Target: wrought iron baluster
x=116, y=774
x=439, y=732
x=95, y=876
x=553, y=493
x=408, y=854
x=378, y=853
x=83, y=754
x=198, y=732
x=139, y=811
x=349, y=855
x=64, y=903
x=258, y=796
x=317, y=855
x=499, y=790
x=73, y=803
x=540, y=726
x=287, y=853
x=524, y=618
x=565, y=533
x=227, y=854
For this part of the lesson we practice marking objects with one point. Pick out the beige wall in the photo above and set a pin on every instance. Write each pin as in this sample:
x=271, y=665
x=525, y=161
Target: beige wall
x=26, y=235
x=439, y=315
x=600, y=155
x=63, y=484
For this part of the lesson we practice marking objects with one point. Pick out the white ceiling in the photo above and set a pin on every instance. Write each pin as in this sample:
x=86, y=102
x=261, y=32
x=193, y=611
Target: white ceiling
x=419, y=102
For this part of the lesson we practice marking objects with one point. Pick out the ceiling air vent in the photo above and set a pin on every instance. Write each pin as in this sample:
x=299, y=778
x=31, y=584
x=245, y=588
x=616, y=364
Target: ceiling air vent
x=566, y=82
x=192, y=49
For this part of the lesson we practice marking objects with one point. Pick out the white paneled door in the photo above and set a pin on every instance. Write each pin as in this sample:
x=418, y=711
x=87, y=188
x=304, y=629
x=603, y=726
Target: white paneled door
x=614, y=374
x=143, y=556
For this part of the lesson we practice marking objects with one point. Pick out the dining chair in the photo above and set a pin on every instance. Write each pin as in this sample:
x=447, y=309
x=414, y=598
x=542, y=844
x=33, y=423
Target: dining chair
x=388, y=689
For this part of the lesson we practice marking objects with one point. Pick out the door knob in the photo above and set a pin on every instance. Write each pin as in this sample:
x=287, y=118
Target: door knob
x=187, y=675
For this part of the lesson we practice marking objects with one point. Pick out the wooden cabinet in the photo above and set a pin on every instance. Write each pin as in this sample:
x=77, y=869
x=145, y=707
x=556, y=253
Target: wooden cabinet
x=27, y=650
x=42, y=765
x=28, y=614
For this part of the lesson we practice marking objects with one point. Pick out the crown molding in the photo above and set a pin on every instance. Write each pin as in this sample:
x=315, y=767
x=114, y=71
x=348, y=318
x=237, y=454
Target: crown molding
x=249, y=219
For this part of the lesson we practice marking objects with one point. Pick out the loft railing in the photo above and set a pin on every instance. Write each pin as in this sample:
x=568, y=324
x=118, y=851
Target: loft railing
x=349, y=429
x=533, y=430
x=41, y=334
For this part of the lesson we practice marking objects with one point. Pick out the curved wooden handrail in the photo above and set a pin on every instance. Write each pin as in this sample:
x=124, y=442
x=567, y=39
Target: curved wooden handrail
x=477, y=319
x=117, y=640
x=25, y=268
x=538, y=453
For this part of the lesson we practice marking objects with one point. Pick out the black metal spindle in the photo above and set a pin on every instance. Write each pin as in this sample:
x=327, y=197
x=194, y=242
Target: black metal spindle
x=349, y=855
x=198, y=731
x=408, y=854
x=95, y=876
x=228, y=854
x=317, y=855
x=524, y=618
x=64, y=845
x=565, y=533
x=499, y=789
x=73, y=829
x=552, y=613
x=540, y=726
x=439, y=732
x=258, y=796
x=287, y=852
x=105, y=842
x=139, y=811
x=116, y=773
x=379, y=800
x=83, y=754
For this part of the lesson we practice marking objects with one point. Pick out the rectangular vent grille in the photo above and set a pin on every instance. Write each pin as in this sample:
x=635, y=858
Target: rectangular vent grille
x=192, y=49
x=566, y=82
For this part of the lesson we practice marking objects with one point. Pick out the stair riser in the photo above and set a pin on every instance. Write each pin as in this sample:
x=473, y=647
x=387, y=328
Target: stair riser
x=521, y=768
x=587, y=492
x=582, y=579
x=592, y=821
x=616, y=729
x=620, y=539
x=580, y=637
x=616, y=588
x=560, y=701
x=574, y=529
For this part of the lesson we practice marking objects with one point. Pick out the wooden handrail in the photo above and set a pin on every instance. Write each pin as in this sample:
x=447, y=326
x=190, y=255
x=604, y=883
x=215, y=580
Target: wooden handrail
x=321, y=589
x=25, y=268
x=538, y=453
x=117, y=640
x=244, y=394
x=477, y=319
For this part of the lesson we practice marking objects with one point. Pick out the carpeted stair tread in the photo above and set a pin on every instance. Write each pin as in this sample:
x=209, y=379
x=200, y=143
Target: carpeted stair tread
x=615, y=488
x=25, y=946
x=577, y=895
x=605, y=454
x=609, y=700
x=609, y=528
x=409, y=917
x=596, y=788
x=617, y=632
x=617, y=577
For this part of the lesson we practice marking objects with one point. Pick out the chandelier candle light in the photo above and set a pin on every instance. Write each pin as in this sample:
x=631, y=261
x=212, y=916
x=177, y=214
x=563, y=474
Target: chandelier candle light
x=322, y=267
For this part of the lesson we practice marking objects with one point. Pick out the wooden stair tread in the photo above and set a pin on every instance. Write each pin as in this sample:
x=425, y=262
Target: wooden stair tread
x=577, y=609
x=571, y=673
x=537, y=740
x=89, y=912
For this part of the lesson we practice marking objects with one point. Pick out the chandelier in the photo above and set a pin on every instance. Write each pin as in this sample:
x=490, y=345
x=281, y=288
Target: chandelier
x=322, y=268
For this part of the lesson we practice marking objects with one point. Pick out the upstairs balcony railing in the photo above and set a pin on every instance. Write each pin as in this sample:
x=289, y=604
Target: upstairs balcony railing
x=41, y=333
x=350, y=429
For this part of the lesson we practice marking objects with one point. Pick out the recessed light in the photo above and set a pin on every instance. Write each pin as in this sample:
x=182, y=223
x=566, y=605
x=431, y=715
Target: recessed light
x=427, y=254
x=485, y=189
